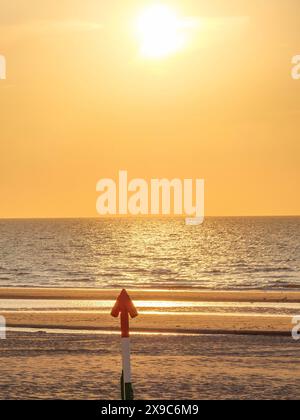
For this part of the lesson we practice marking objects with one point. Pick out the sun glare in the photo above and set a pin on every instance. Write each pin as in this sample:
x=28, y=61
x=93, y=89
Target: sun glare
x=160, y=31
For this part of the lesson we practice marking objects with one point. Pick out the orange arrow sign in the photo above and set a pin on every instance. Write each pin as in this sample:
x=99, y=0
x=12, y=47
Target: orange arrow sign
x=125, y=307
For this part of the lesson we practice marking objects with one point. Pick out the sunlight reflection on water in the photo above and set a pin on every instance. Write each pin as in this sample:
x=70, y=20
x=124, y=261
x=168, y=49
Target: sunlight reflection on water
x=221, y=254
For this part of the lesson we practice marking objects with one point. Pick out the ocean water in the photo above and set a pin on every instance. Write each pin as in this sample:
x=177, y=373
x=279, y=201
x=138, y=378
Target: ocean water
x=223, y=253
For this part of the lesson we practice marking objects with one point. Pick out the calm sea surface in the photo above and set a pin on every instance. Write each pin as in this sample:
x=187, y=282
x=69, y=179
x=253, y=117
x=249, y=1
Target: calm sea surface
x=223, y=253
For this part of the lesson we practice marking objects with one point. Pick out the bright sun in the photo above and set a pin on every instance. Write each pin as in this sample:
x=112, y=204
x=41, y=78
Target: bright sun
x=160, y=31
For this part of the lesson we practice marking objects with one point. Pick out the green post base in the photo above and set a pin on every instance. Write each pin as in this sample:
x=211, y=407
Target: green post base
x=126, y=390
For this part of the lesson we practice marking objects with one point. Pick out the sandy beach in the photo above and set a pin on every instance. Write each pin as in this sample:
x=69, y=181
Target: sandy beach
x=87, y=366
x=64, y=344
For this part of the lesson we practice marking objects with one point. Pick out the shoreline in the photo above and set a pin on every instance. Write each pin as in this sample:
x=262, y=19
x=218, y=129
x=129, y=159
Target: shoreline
x=86, y=330
x=175, y=311
x=151, y=294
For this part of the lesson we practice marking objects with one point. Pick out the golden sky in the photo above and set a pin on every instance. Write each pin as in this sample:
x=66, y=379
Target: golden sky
x=82, y=101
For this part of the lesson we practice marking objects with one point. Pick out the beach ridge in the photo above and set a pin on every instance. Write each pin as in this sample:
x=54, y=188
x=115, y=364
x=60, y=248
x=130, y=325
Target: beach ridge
x=155, y=294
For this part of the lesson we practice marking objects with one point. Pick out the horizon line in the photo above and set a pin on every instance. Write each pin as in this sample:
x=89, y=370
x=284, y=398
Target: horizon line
x=147, y=217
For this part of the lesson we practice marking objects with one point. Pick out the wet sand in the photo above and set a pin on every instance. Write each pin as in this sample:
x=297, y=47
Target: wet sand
x=175, y=322
x=168, y=315
x=163, y=295
x=255, y=312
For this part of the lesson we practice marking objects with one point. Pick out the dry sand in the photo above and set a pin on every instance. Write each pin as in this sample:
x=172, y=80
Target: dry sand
x=85, y=366
x=227, y=356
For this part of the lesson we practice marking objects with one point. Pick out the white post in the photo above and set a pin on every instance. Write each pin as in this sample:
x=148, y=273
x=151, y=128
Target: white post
x=126, y=360
x=127, y=390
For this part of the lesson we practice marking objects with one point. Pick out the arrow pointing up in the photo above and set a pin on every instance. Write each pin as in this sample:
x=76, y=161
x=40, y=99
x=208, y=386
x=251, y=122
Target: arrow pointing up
x=125, y=307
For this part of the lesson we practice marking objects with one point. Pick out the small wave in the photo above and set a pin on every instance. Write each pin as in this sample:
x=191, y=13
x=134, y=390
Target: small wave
x=78, y=280
x=137, y=270
x=75, y=273
x=45, y=238
x=162, y=271
x=53, y=270
x=281, y=285
x=275, y=276
x=137, y=256
x=110, y=275
x=215, y=272
x=268, y=270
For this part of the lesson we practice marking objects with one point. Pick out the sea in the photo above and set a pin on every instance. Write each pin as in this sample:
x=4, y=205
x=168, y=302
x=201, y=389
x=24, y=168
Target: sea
x=232, y=253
